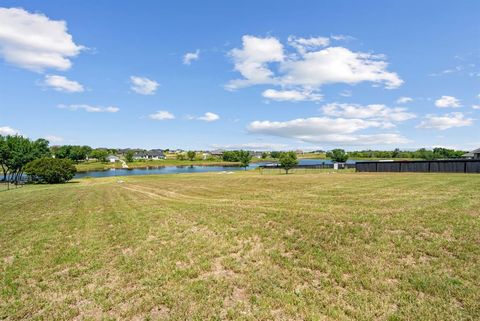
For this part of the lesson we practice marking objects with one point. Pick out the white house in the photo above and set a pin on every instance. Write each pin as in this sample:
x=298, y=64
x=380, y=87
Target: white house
x=113, y=158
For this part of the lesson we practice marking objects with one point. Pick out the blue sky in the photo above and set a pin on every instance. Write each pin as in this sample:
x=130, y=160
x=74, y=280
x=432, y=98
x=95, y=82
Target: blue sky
x=250, y=74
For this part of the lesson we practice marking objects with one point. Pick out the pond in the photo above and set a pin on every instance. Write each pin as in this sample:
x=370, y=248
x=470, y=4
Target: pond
x=187, y=169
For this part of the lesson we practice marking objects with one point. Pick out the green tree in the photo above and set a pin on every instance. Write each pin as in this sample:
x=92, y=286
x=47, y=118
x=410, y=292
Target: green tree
x=275, y=154
x=288, y=160
x=50, y=170
x=181, y=156
x=264, y=155
x=338, y=155
x=191, y=155
x=244, y=157
x=129, y=156
x=16, y=151
x=230, y=156
x=99, y=154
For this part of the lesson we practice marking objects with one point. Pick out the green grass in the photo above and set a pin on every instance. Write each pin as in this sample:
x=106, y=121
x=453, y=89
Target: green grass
x=243, y=246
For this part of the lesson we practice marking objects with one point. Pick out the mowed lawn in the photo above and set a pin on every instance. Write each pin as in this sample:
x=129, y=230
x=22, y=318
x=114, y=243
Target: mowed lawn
x=243, y=246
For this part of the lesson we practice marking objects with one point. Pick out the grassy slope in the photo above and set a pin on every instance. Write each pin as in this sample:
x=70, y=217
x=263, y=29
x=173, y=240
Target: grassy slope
x=243, y=246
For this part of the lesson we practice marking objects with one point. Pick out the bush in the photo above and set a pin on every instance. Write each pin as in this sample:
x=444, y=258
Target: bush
x=50, y=170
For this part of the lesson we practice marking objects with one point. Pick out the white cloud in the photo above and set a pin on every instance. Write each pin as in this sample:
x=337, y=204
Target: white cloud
x=264, y=61
x=338, y=65
x=90, y=108
x=252, y=61
x=6, y=130
x=346, y=93
x=326, y=130
x=61, y=83
x=404, y=100
x=291, y=95
x=372, y=111
x=446, y=121
x=447, y=101
x=161, y=115
x=208, y=116
x=306, y=44
x=54, y=139
x=476, y=106
x=252, y=146
x=143, y=85
x=33, y=41
x=191, y=56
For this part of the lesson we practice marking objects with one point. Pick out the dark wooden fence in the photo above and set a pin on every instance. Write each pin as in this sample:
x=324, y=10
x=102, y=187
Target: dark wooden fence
x=436, y=166
x=316, y=166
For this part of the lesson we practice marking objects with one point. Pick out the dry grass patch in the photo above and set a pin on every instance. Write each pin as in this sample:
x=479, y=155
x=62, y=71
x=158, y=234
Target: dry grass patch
x=243, y=247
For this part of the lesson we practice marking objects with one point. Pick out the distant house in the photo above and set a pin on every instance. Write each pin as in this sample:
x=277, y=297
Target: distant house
x=151, y=154
x=217, y=153
x=474, y=154
x=113, y=158
x=256, y=154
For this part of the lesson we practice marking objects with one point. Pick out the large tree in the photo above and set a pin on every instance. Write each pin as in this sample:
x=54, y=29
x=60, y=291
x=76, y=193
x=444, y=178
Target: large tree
x=244, y=158
x=338, y=155
x=16, y=151
x=191, y=155
x=288, y=160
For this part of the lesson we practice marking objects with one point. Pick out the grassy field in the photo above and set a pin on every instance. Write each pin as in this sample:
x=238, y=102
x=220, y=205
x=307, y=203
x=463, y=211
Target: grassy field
x=244, y=246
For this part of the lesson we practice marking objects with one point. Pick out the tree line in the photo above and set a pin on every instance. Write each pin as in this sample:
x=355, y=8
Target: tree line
x=20, y=155
x=422, y=153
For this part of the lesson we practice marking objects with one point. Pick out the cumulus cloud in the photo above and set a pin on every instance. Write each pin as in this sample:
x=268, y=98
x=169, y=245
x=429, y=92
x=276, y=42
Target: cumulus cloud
x=161, y=115
x=33, y=41
x=447, y=101
x=252, y=146
x=191, y=56
x=446, y=121
x=338, y=65
x=373, y=111
x=252, y=60
x=476, y=106
x=291, y=95
x=90, y=108
x=326, y=130
x=404, y=100
x=208, y=116
x=6, y=130
x=313, y=64
x=61, y=83
x=143, y=85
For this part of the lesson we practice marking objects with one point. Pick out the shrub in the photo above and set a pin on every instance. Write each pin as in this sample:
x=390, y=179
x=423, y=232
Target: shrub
x=50, y=170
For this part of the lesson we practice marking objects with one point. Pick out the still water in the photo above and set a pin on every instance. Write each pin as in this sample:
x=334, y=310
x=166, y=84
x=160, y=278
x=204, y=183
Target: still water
x=186, y=169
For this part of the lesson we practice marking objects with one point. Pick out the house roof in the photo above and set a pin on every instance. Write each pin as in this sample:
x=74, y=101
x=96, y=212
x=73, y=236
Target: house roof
x=151, y=153
x=476, y=151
